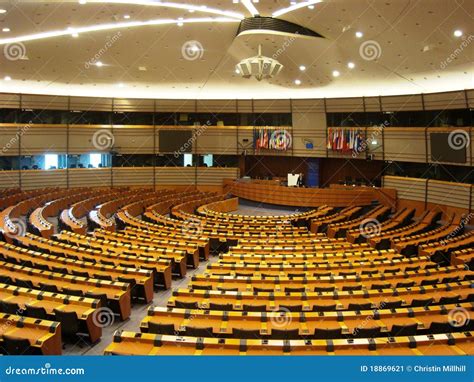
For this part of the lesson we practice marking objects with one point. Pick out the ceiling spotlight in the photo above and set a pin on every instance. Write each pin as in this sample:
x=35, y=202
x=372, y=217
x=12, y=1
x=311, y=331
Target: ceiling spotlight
x=297, y=82
x=260, y=67
x=350, y=65
x=237, y=71
x=82, y=2
x=7, y=78
x=336, y=73
x=75, y=35
x=458, y=33
x=310, y=6
x=99, y=64
x=302, y=68
x=6, y=30
x=126, y=17
x=359, y=34
x=120, y=85
x=3, y=11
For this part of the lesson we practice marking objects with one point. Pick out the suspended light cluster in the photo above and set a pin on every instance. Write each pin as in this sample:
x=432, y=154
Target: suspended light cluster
x=259, y=67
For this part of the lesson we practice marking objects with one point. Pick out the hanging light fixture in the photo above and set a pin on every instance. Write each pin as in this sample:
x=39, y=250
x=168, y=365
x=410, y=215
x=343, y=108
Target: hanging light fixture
x=260, y=67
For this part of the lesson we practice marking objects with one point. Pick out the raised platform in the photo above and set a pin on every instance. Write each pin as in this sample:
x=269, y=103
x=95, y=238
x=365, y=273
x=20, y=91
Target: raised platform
x=339, y=196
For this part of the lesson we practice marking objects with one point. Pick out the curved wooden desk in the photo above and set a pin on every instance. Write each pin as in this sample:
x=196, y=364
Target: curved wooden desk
x=310, y=197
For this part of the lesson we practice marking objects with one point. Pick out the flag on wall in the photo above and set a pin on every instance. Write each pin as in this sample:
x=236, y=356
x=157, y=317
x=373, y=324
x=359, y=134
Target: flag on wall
x=344, y=140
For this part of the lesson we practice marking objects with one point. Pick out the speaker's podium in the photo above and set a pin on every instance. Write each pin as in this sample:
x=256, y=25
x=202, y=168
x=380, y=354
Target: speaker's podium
x=293, y=180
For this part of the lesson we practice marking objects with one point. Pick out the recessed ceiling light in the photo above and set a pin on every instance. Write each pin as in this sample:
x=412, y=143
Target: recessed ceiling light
x=126, y=17
x=6, y=30
x=458, y=33
x=7, y=78
x=82, y=2
x=75, y=35
x=120, y=85
x=302, y=68
x=310, y=6
x=350, y=65
x=297, y=82
x=99, y=64
x=359, y=34
x=237, y=71
x=3, y=11
x=336, y=73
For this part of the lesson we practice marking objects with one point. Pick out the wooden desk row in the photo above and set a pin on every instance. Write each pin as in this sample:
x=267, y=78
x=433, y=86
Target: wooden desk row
x=178, y=258
x=308, y=301
x=141, y=280
x=338, y=282
x=409, y=244
x=400, y=219
x=117, y=293
x=130, y=343
x=44, y=336
x=427, y=221
x=295, y=325
x=377, y=214
x=161, y=268
x=86, y=309
x=448, y=244
x=143, y=237
x=321, y=224
x=181, y=244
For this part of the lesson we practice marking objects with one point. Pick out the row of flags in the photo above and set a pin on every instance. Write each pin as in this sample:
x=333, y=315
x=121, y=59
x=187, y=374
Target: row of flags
x=345, y=140
x=271, y=139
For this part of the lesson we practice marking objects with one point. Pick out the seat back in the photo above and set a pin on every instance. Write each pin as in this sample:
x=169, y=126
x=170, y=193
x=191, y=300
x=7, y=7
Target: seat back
x=278, y=334
x=36, y=312
x=193, y=331
x=404, y=330
x=157, y=328
x=17, y=346
x=327, y=333
x=246, y=333
x=69, y=323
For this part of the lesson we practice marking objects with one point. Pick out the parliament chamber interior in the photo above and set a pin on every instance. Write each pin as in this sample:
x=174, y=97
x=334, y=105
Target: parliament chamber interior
x=236, y=178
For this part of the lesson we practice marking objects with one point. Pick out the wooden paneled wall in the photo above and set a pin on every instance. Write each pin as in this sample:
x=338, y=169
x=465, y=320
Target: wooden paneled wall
x=428, y=194
x=160, y=177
